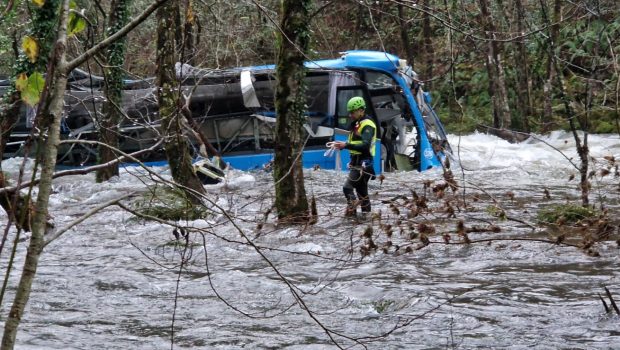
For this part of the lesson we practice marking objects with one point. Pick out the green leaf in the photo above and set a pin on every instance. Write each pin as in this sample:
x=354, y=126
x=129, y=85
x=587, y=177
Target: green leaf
x=76, y=24
x=31, y=92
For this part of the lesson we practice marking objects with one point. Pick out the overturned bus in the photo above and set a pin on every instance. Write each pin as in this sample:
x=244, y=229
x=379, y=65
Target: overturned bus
x=235, y=111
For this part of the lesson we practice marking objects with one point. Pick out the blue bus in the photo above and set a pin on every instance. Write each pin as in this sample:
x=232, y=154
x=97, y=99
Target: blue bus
x=234, y=111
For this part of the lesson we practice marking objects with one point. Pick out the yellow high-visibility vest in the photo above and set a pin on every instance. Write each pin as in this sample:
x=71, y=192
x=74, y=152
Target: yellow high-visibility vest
x=355, y=137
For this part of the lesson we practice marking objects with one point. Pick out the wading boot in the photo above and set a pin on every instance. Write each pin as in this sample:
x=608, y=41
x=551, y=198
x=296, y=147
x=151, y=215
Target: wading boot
x=364, y=216
x=350, y=212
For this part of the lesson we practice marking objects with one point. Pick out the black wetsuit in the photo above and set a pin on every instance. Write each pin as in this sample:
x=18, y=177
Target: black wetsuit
x=361, y=166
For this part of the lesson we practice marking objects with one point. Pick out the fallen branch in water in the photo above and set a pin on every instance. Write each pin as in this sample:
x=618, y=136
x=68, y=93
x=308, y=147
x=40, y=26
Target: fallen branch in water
x=611, y=300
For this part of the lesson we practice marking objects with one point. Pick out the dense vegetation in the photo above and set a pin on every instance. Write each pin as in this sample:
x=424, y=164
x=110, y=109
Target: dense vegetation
x=448, y=43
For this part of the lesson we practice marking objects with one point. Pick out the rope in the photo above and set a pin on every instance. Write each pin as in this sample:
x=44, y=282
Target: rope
x=331, y=148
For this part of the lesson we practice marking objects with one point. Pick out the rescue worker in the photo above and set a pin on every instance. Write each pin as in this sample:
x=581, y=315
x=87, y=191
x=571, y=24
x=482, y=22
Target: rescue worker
x=361, y=146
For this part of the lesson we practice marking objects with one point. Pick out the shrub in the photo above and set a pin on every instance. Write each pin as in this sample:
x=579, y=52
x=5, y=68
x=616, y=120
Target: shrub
x=565, y=214
x=168, y=204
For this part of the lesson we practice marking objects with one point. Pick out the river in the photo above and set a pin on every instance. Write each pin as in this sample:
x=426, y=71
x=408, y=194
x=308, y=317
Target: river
x=114, y=281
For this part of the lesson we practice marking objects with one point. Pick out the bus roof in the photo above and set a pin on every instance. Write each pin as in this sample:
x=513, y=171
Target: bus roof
x=349, y=60
x=359, y=59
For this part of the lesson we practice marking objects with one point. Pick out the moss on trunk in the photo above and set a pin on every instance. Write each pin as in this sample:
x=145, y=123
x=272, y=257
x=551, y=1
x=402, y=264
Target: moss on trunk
x=112, y=113
x=291, y=201
x=176, y=144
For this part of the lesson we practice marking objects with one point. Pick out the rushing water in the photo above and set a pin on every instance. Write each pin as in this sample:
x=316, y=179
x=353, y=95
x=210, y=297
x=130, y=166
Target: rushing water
x=111, y=282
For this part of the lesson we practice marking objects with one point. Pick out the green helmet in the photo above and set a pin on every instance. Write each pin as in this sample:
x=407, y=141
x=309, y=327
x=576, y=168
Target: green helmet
x=356, y=103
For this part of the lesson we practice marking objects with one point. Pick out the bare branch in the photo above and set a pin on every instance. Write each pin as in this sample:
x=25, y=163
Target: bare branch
x=9, y=7
x=112, y=38
x=86, y=170
x=86, y=215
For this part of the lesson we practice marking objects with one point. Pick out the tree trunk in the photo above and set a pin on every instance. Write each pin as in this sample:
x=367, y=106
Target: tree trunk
x=524, y=107
x=50, y=114
x=112, y=107
x=9, y=115
x=404, y=35
x=582, y=146
x=19, y=208
x=359, y=25
x=176, y=144
x=189, y=34
x=584, y=120
x=495, y=69
x=51, y=111
x=428, y=51
x=43, y=31
x=554, y=31
x=291, y=202
x=43, y=22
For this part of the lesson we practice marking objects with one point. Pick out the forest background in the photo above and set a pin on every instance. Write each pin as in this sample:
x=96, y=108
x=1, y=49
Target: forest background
x=506, y=64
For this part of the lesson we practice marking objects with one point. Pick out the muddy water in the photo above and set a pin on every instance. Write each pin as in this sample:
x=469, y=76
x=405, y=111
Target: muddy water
x=113, y=282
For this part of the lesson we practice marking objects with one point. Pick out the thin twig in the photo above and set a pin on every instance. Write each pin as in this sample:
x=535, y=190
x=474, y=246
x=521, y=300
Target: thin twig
x=86, y=216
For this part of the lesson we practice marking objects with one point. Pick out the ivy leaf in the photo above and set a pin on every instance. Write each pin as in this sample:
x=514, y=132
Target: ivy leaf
x=31, y=92
x=39, y=3
x=31, y=48
x=76, y=23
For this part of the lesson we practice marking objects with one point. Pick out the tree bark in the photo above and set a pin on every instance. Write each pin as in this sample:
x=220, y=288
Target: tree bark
x=291, y=202
x=189, y=34
x=524, y=93
x=404, y=34
x=9, y=115
x=50, y=114
x=176, y=144
x=43, y=24
x=554, y=31
x=359, y=25
x=51, y=111
x=581, y=146
x=495, y=69
x=428, y=51
x=19, y=208
x=112, y=107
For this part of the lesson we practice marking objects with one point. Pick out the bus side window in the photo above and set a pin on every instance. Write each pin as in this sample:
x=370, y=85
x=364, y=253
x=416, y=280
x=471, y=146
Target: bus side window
x=343, y=96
